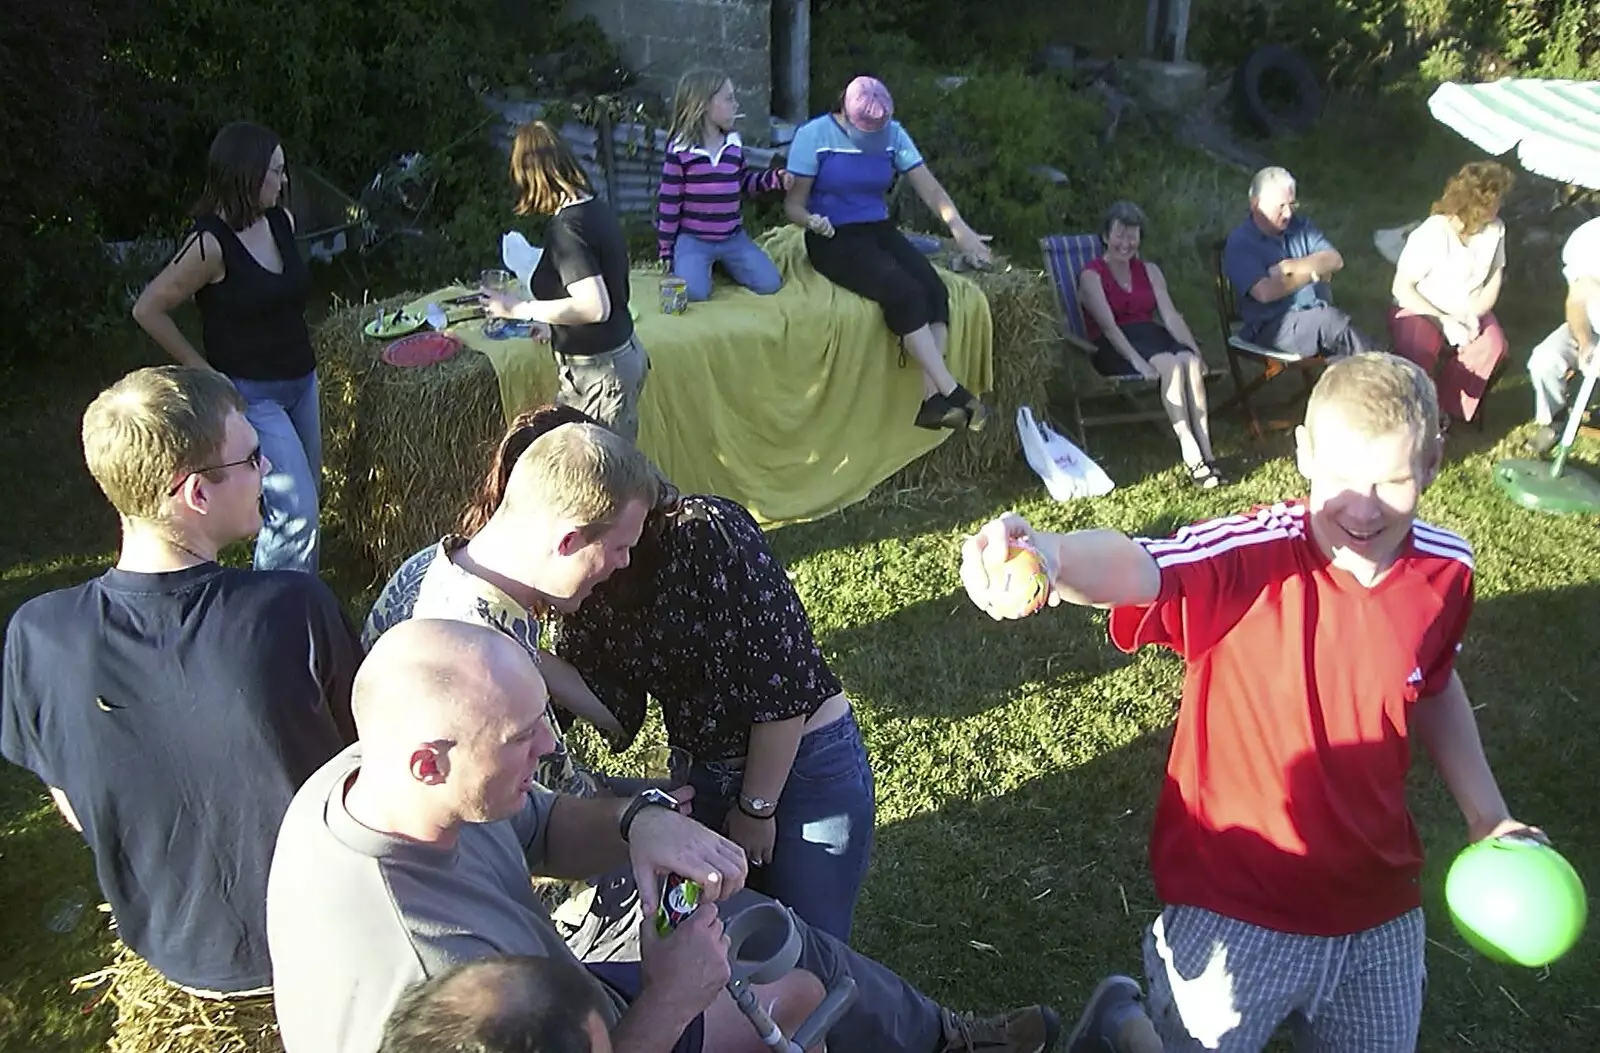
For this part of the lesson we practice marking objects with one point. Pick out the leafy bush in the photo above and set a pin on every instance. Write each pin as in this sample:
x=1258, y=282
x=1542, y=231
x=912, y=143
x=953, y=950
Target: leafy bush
x=1360, y=43
x=986, y=138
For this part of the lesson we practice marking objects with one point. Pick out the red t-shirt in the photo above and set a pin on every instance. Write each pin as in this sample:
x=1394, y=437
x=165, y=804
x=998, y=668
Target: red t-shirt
x=1135, y=304
x=1285, y=801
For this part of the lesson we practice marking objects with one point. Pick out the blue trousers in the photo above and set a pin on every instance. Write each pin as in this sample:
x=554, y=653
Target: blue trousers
x=825, y=822
x=742, y=258
x=288, y=424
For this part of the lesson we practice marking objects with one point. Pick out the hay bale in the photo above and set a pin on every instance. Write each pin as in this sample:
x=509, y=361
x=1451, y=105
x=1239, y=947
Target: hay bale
x=1027, y=333
x=153, y=1016
x=402, y=448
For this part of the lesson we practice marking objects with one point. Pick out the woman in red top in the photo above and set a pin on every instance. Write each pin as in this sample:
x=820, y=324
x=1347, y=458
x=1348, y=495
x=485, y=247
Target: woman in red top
x=1123, y=297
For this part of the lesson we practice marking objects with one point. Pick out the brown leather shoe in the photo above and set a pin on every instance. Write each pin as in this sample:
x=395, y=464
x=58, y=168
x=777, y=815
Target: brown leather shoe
x=1543, y=441
x=1032, y=1029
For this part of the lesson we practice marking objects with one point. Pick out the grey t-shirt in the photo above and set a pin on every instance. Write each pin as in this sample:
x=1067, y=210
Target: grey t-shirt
x=354, y=917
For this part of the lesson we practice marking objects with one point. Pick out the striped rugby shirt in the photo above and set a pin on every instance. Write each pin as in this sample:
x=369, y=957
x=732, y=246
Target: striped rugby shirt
x=702, y=192
x=1284, y=803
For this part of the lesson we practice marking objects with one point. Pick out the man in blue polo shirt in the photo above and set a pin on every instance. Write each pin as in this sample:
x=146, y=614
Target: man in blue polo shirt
x=1279, y=264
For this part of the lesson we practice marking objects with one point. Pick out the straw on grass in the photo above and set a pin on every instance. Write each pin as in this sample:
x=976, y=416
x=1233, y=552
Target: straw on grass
x=153, y=1016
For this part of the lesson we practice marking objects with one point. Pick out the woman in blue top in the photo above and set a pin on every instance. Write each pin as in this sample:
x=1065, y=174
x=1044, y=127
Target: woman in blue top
x=844, y=163
x=240, y=266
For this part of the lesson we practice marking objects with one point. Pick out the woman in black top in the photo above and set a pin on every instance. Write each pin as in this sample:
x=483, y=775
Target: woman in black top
x=580, y=286
x=705, y=620
x=240, y=266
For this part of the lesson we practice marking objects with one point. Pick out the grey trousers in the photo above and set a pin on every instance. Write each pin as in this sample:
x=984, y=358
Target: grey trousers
x=1548, y=366
x=888, y=1015
x=1321, y=330
x=606, y=386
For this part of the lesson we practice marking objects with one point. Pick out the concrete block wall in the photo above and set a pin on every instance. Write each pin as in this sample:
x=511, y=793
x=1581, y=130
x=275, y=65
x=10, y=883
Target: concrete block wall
x=661, y=38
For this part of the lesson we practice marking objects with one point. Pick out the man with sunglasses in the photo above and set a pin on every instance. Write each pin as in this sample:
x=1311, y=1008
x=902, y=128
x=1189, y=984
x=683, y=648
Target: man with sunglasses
x=173, y=706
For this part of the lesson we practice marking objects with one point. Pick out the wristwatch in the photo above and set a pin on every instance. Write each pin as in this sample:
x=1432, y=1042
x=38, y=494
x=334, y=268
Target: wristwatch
x=651, y=798
x=757, y=807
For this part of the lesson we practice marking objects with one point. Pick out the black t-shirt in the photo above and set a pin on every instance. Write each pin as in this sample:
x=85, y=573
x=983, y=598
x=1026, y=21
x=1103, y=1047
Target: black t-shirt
x=179, y=713
x=580, y=242
x=253, y=322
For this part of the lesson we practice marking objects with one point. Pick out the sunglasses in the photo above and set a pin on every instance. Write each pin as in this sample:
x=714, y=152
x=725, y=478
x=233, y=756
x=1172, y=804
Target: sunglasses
x=253, y=459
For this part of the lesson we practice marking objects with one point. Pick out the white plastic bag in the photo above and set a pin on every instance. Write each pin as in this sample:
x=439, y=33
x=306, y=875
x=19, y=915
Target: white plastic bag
x=1066, y=470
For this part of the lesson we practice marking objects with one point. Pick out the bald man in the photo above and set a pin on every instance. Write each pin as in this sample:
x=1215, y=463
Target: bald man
x=410, y=852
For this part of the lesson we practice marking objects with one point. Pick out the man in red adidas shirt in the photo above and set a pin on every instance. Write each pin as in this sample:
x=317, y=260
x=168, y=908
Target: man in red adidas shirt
x=1319, y=638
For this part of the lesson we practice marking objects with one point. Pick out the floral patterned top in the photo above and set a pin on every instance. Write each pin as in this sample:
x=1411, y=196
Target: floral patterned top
x=706, y=620
x=430, y=585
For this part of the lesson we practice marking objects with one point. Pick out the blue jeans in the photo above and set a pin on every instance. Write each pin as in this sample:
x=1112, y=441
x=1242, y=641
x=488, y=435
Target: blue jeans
x=742, y=258
x=825, y=819
x=288, y=425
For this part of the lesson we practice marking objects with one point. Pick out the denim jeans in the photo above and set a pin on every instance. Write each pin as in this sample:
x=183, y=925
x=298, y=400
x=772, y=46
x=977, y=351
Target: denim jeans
x=825, y=821
x=742, y=258
x=288, y=424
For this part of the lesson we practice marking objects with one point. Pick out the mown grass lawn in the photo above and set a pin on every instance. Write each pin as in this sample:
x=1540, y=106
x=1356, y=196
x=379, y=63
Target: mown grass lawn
x=1017, y=764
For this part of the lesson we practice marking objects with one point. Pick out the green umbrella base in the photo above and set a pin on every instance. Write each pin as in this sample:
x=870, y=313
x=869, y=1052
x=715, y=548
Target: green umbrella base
x=1530, y=484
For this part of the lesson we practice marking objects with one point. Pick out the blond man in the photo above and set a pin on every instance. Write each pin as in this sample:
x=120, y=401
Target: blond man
x=573, y=506
x=1320, y=638
x=171, y=705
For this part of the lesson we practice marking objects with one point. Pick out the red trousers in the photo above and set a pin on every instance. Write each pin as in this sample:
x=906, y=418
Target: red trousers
x=1464, y=375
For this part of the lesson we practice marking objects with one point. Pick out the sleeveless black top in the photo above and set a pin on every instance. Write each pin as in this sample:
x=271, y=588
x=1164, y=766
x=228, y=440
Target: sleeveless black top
x=253, y=322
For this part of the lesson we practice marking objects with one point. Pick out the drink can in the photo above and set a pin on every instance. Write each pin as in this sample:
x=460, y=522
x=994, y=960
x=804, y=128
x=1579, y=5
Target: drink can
x=679, y=898
x=674, y=295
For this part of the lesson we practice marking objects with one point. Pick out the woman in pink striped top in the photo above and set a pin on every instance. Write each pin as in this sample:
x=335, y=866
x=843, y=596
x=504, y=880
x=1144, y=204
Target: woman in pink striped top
x=704, y=181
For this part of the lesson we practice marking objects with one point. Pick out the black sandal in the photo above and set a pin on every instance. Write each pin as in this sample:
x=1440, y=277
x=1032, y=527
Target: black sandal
x=937, y=411
x=1207, y=475
x=977, y=414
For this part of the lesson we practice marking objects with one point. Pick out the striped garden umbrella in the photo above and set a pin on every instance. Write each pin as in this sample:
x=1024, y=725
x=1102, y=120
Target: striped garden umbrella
x=1554, y=124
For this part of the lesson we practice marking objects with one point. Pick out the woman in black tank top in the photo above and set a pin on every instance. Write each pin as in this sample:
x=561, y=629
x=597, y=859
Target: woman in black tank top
x=240, y=265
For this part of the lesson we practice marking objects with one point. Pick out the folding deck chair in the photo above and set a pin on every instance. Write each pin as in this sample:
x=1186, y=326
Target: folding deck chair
x=1065, y=257
x=1271, y=360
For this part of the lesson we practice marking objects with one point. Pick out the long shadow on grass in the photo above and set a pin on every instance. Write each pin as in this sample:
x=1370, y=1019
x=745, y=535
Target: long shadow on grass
x=917, y=663
x=1036, y=894
x=904, y=513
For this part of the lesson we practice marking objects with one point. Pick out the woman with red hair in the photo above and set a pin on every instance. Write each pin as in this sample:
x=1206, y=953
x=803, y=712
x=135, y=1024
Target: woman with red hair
x=1446, y=285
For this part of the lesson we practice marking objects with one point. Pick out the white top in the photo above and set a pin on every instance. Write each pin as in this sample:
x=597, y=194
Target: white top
x=1581, y=257
x=1446, y=270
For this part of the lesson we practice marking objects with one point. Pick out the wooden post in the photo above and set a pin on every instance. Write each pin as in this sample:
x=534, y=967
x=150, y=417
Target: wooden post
x=797, y=62
x=1178, y=27
x=1152, y=22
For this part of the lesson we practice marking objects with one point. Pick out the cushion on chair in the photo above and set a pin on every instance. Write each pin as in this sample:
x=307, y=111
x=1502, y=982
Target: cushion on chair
x=1065, y=257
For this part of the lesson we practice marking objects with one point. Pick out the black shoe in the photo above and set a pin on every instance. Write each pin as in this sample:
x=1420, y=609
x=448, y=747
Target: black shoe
x=937, y=412
x=1543, y=441
x=977, y=414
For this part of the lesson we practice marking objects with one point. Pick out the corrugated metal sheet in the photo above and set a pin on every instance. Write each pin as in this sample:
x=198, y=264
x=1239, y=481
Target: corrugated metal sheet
x=636, y=156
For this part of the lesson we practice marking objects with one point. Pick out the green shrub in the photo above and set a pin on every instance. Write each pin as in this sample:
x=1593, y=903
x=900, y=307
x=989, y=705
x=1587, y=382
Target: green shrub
x=1361, y=43
x=984, y=139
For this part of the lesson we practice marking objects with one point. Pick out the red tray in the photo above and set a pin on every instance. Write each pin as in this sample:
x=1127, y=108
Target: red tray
x=422, y=349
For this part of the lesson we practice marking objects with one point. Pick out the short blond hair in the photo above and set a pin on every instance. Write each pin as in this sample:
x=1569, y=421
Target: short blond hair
x=151, y=426
x=580, y=472
x=1377, y=394
x=545, y=171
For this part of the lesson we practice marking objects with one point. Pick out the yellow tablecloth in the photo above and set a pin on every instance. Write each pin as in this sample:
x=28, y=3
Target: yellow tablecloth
x=794, y=404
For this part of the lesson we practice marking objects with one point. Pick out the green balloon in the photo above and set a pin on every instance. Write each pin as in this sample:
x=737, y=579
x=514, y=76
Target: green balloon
x=1516, y=900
